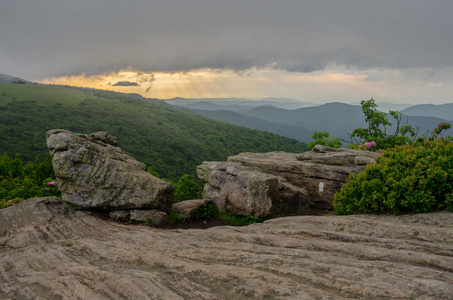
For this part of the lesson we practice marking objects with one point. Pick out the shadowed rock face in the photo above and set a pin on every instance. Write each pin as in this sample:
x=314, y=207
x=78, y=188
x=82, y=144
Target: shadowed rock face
x=94, y=174
x=48, y=250
x=279, y=183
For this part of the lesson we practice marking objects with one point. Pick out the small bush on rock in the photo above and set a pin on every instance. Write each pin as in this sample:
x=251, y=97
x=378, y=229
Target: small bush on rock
x=205, y=212
x=187, y=188
x=410, y=178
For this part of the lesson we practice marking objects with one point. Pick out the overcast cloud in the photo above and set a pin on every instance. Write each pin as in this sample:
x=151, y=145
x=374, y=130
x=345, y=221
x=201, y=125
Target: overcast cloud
x=46, y=38
x=56, y=37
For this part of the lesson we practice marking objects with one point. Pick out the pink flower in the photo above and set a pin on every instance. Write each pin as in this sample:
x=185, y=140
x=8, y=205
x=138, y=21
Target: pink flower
x=52, y=183
x=360, y=146
x=10, y=201
x=370, y=144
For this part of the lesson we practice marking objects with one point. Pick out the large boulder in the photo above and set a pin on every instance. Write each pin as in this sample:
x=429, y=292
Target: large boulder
x=279, y=183
x=93, y=173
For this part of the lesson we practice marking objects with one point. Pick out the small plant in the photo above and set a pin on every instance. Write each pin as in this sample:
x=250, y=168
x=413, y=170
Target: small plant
x=205, y=212
x=149, y=223
x=175, y=217
x=233, y=220
x=324, y=138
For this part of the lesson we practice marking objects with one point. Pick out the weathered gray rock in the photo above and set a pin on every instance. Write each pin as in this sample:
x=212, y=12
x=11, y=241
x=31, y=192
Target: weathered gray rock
x=94, y=174
x=120, y=215
x=279, y=183
x=151, y=216
x=48, y=250
x=187, y=207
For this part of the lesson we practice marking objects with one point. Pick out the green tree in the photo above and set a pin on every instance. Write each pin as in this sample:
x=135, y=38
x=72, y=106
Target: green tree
x=377, y=128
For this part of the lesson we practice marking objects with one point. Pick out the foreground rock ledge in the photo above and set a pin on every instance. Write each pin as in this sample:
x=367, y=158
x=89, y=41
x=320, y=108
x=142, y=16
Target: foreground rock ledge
x=49, y=251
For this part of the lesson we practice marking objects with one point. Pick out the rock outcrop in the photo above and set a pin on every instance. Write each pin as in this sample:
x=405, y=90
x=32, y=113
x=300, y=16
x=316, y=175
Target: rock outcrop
x=279, y=183
x=94, y=174
x=49, y=250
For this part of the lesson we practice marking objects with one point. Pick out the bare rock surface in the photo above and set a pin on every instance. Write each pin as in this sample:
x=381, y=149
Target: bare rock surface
x=48, y=250
x=280, y=183
x=94, y=174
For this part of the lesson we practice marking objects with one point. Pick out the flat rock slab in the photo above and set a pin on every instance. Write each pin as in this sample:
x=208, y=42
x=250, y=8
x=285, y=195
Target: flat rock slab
x=50, y=251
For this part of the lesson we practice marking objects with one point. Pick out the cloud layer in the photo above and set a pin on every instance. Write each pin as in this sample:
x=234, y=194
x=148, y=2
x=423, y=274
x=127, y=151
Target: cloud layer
x=49, y=38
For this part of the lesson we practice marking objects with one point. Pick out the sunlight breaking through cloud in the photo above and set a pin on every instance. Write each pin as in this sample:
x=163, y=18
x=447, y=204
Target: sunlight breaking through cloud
x=333, y=84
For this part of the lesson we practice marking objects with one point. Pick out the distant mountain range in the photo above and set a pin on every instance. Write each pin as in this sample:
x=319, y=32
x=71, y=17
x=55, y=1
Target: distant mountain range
x=339, y=119
x=238, y=104
x=292, y=118
x=10, y=79
x=444, y=111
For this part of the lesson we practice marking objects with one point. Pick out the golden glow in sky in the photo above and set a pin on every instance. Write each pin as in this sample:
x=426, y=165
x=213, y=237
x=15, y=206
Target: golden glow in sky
x=207, y=83
x=319, y=87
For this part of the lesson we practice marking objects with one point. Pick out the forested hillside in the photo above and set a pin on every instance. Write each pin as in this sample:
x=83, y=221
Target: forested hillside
x=172, y=143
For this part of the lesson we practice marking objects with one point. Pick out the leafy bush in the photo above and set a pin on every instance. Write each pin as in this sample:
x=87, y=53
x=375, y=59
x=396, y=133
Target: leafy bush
x=19, y=182
x=205, y=212
x=187, y=189
x=409, y=178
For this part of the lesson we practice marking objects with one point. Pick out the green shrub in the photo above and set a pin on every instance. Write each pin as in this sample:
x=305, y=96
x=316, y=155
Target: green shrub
x=19, y=182
x=205, y=212
x=410, y=178
x=188, y=189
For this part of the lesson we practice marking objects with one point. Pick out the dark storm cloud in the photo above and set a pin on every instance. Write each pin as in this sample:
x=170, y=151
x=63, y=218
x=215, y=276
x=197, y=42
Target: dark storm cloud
x=57, y=37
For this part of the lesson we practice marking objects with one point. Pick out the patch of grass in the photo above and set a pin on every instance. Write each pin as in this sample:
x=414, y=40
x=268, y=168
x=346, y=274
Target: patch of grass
x=233, y=220
x=175, y=217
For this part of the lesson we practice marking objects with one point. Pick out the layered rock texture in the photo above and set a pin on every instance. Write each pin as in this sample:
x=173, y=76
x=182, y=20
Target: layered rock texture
x=93, y=173
x=279, y=183
x=48, y=250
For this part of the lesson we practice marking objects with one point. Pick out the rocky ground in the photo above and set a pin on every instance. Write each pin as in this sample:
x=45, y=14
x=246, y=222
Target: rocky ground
x=50, y=251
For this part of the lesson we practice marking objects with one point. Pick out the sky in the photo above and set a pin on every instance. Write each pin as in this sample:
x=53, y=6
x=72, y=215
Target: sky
x=397, y=51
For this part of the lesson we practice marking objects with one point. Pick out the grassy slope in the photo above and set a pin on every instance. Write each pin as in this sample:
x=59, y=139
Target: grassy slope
x=173, y=143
